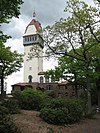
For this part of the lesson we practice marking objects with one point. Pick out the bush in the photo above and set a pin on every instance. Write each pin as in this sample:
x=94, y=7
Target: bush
x=11, y=105
x=52, y=94
x=31, y=99
x=62, y=111
x=3, y=110
x=55, y=116
x=6, y=124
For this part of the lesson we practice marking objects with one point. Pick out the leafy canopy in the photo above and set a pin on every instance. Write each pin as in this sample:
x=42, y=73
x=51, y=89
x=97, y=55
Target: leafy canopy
x=9, y=61
x=9, y=9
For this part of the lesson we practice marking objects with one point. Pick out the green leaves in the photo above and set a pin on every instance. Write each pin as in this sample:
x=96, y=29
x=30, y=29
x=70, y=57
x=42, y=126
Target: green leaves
x=72, y=32
x=31, y=99
x=9, y=9
x=9, y=62
x=62, y=111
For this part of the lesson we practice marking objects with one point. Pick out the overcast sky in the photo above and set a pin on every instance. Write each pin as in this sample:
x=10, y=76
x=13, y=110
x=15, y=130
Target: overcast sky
x=47, y=12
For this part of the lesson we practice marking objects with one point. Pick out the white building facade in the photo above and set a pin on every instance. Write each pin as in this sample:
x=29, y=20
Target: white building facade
x=33, y=51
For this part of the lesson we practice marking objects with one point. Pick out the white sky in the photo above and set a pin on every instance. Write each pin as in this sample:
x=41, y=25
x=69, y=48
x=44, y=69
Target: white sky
x=47, y=12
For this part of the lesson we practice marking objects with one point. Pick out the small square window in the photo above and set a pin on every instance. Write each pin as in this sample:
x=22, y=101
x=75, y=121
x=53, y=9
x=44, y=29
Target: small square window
x=30, y=68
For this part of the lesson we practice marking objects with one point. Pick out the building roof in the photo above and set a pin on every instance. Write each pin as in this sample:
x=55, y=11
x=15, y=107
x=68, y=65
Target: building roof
x=23, y=84
x=36, y=24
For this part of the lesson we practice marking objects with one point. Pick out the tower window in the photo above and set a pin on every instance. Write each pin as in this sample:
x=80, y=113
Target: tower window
x=30, y=78
x=41, y=79
x=34, y=38
x=30, y=38
x=25, y=39
x=30, y=68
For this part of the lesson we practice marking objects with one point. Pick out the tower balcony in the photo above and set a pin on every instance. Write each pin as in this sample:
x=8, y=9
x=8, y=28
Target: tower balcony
x=33, y=39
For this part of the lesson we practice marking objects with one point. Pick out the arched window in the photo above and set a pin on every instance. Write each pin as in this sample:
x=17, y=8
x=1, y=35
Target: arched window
x=41, y=79
x=30, y=78
x=47, y=79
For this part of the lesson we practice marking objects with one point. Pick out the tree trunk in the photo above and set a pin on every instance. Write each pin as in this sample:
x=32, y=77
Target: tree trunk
x=76, y=94
x=99, y=98
x=88, y=97
x=88, y=85
x=2, y=86
x=98, y=90
x=97, y=69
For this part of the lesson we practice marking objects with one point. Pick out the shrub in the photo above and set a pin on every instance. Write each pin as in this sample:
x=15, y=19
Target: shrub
x=52, y=94
x=11, y=105
x=31, y=99
x=3, y=110
x=62, y=111
x=55, y=116
x=6, y=123
x=34, y=92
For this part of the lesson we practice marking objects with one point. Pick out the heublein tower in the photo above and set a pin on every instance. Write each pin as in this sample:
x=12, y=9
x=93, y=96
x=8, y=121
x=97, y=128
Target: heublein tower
x=33, y=51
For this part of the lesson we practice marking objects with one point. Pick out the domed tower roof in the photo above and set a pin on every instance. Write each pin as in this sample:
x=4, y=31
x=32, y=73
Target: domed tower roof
x=33, y=27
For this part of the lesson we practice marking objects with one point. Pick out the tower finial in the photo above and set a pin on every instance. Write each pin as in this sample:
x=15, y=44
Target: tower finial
x=34, y=14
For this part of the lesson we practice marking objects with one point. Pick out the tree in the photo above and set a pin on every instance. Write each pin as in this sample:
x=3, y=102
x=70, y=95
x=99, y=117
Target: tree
x=96, y=72
x=97, y=2
x=78, y=30
x=54, y=74
x=9, y=62
x=8, y=9
x=73, y=72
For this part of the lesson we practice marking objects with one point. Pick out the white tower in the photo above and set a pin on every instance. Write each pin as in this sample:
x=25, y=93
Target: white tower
x=33, y=51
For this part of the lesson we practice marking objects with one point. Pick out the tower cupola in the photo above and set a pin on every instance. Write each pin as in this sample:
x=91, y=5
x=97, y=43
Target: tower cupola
x=32, y=33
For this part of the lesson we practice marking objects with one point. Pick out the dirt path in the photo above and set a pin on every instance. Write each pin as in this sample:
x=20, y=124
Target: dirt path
x=30, y=122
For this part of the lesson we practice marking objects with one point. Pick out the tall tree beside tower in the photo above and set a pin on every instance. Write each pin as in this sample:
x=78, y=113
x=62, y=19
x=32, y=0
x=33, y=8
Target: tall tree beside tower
x=78, y=31
x=9, y=61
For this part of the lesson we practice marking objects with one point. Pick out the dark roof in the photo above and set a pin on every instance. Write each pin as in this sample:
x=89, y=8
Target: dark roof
x=23, y=84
